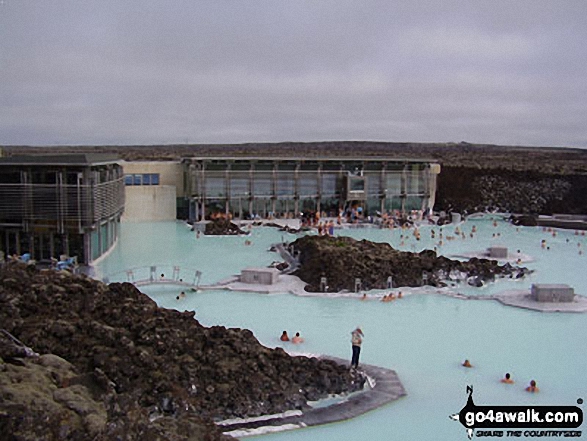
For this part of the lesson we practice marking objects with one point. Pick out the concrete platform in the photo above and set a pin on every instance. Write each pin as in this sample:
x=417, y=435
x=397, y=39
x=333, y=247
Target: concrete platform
x=512, y=257
x=523, y=299
x=285, y=284
x=386, y=388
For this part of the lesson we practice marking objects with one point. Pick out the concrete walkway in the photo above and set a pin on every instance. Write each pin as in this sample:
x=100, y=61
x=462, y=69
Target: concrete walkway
x=522, y=299
x=386, y=388
x=517, y=298
x=285, y=284
x=286, y=255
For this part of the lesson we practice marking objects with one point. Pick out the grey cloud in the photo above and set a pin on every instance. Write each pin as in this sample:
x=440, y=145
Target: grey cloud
x=246, y=71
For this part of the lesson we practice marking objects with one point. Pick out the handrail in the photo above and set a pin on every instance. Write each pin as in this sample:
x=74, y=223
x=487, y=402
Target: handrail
x=155, y=274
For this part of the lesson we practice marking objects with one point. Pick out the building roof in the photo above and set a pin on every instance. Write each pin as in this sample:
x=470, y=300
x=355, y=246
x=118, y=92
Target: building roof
x=390, y=158
x=83, y=159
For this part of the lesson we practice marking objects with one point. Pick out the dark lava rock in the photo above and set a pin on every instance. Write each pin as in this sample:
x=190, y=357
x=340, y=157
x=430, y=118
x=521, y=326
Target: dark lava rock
x=342, y=259
x=477, y=189
x=222, y=227
x=524, y=220
x=147, y=372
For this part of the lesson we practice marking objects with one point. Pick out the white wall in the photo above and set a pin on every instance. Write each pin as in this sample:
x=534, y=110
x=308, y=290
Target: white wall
x=153, y=202
x=150, y=203
x=170, y=172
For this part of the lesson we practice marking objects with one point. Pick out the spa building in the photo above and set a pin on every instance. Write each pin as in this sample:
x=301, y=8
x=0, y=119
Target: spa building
x=72, y=204
x=281, y=187
x=60, y=205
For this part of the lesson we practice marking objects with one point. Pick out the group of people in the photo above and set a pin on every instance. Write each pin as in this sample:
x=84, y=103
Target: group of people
x=507, y=379
x=25, y=258
x=296, y=339
x=386, y=298
x=391, y=297
x=64, y=262
x=356, y=341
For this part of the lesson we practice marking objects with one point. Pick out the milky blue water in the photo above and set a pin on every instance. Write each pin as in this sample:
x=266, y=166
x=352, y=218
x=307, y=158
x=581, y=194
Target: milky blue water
x=423, y=337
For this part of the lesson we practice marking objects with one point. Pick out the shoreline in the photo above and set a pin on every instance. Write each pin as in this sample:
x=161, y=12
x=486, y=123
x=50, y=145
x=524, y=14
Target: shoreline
x=294, y=285
x=384, y=387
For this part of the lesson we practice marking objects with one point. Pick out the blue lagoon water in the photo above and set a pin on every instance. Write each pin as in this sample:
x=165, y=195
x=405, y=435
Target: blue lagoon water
x=424, y=337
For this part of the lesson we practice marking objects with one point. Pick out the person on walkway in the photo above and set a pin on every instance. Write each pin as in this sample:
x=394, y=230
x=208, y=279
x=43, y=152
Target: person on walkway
x=356, y=341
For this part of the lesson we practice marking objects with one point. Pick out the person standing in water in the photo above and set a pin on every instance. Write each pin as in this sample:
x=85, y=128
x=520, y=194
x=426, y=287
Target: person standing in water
x=356, y=341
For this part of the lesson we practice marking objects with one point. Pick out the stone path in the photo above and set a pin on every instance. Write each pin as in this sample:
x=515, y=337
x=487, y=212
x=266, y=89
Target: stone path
x=386, y=389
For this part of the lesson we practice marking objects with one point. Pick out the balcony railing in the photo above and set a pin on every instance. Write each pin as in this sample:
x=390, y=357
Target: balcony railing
x=54, y=204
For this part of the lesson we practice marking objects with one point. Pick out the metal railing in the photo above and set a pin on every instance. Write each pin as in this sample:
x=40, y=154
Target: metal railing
x=81, y=205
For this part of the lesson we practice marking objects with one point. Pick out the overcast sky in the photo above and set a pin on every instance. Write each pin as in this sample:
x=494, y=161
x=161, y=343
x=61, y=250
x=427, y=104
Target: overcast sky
x=234, y=71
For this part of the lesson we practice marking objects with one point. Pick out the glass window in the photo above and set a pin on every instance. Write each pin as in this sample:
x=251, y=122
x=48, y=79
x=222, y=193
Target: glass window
x=239, y=183
x=95, y=245
x=394, y=183
x=356, y=184
x=215, y=185
x=146, y=179
x=329, y=184
x=8, y=177
x=308, y=183
x=71, y=178
x=285, y=183
x=128, y=179
x=373, y=183
x=263, y=184
x=414, y=203
x=155, y=179
x=138, y=180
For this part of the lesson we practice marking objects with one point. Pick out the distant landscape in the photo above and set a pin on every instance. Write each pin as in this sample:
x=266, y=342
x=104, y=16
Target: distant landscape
x=474, y=177
x=545, y=159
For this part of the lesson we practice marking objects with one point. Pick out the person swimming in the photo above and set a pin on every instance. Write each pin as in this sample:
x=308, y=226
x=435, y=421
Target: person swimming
x=532, y=388
x=507, y=379
x=284, y=336
x=297, y=339
x=467, y=364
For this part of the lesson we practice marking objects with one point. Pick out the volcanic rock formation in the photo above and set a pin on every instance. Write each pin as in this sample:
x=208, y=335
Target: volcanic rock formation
x=222, y=227
x=343, y=259
x=114, y=365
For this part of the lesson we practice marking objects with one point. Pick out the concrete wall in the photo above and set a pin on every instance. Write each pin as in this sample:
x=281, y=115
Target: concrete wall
x=170, y=172
x=153, y=202
x=552, y=293
x=497, y=252
x=262, y=276
x=150, y=203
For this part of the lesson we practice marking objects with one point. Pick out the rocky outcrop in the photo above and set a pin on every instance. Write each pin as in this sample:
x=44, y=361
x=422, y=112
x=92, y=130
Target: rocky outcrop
x=471, y=190
x=342, y=259
x=526, y=220
x=222, y=227
x=142, y=372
